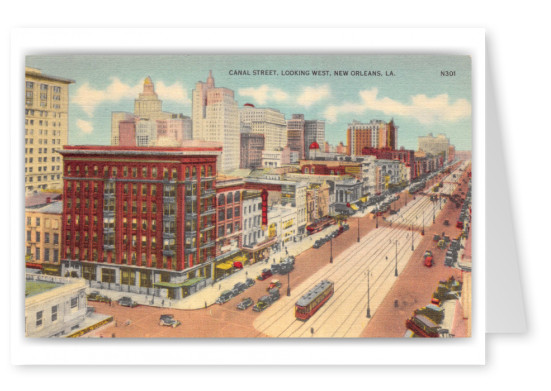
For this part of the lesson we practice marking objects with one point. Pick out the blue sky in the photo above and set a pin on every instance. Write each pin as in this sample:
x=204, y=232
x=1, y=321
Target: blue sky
x=418, y=97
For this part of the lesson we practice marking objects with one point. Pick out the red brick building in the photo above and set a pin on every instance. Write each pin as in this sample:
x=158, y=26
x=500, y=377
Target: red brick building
x=140, y=219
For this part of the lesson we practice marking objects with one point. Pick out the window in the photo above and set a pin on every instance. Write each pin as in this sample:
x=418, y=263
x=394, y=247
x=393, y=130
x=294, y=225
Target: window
x=28, y=221
x=154, y=172
x=39, y=319
x=229, y=198
x=107, y=275
x=38, y=221
x=74, y=302
x=47, y=254
x=46, y=238
x=54, y=313
x=144, y=172
x=237, y=212
x=37, y=254
x=236, y=196
x=221, y=199
x=56, y=238
x=29, y=236
x=229, y=213
x=221, y=215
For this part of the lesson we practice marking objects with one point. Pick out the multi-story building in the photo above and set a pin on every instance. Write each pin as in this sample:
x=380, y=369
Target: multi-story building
x=252, y=218
x=54, y=306
x=216, y=118
x=148, y=108
x=406, y=156
x=314, y=132
x=273, y=159
x=177, y=128
x=387, y=174
x=43, y=236
x=268, y=122
x=295, y=134
x=374, y=134
x=317, y=201
x=431, y=145
x=140, y=219
x=451, y=153
x=252, y=145
x=229, y=227
x=293, y=193
x=46, y=129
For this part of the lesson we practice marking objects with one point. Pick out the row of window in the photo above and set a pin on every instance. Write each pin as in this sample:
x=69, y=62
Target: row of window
x=40, y=178
x=40, y=168
x=46, y=237
x=49, y=256
x=43, y=87
x=229, y=198
x=229, y=213
x=228, y=229
x=48, y=223
x=43, y=141
x=42, y=150
x=42, y=113
x=79, y=169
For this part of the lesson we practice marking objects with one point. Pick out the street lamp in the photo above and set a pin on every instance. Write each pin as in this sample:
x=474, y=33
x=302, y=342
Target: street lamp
x=396, y=264
x=433, y=212
x=289, y=284
x=377, y=217
x=412, y=248
x=423, y=231
x=368, y=315
x=358, y=229
x=331, y=256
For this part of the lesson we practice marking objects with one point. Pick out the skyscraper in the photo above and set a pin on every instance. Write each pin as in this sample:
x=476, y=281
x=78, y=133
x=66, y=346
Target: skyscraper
x=46, y=129
x=215, y=117
x=269, y=122
x=295, y=134
x=314, y=131
x=374, y=134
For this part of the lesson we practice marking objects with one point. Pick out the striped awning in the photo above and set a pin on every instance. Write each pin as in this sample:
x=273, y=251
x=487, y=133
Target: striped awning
x=225, y=266
x=354, y=206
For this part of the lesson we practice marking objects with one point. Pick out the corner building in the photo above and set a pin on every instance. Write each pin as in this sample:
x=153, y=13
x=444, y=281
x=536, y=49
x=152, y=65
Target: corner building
x=139, y=219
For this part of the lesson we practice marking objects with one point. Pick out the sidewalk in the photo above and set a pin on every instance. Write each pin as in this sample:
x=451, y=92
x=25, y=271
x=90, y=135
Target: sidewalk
x=208, y=295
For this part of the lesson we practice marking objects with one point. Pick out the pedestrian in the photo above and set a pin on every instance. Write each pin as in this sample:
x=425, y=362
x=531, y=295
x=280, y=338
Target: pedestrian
x=110, y=304
x=205, y=304
x=163, y=303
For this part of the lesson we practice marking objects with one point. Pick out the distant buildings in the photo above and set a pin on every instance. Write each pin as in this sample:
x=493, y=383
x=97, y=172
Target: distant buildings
x=252, y=145
x=46, y=129
x=434, y=145
x=149, y=125
x=302, y=133
x=374, y=134
x=216, y=118
x=140, y=219
x=278, y=158
x=268, y=122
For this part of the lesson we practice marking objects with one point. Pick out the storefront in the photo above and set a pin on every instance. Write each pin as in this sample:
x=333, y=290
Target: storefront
x=179, y=290
x=260, y=252
x=224, y=265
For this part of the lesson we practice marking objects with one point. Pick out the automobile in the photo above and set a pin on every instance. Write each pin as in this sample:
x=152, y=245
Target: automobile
x=346, y=227
x=262, y=303
x=95, y=296
x=436, y=238
x=238, y=288
x=317, y=244
x=393, y=212
x=225, y=297
x=285, y=268
x=275, y=268
x=249, y=282
x=266, y=273
x=274, y=284
x=334, y=234
x=168, y=320
x=238, y=265
x=289, y=259
x=127, y=302
x=245, y=303
x=431, y=311
x=446, y=222
x=274, y=294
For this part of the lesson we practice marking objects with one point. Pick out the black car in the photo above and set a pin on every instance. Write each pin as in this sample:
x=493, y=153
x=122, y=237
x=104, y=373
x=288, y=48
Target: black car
x=168, y=320
x=317, y=244
x=249, y=282
x=127, y=302
x=245, y=303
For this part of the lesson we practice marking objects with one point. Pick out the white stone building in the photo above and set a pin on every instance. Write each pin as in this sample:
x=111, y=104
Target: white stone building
x=269, y=122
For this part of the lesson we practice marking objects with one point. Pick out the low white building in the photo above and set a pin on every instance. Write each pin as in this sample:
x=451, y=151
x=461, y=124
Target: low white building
x=252, y=219
x=54, y=306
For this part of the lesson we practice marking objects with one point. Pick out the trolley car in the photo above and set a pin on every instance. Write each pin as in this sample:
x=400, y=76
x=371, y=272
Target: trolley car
x=320, y=224
x=308, y=304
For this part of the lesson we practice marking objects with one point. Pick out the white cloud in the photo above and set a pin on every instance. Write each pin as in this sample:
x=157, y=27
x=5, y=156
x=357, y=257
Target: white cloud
x=263, y=94
x=425, y=109
x=85, y=126
x=88, y=98
x=311, y=95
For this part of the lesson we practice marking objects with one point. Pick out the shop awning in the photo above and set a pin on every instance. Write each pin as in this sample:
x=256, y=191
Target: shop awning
x=189, y=282
x=354, y=206
x=363, y=199
x=225, y=266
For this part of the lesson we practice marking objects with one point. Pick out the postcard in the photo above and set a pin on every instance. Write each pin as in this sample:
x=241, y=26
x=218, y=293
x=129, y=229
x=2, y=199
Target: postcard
x=248, y=196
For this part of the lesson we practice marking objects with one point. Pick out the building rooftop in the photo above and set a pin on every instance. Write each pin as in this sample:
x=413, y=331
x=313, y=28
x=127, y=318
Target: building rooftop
x=34, y=72
x=35, y=287
x=40, y=199
x=191, y=147
x=55, y=207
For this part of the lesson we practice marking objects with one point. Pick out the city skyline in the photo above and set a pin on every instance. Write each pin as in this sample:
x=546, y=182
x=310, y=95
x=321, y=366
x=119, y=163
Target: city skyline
x=431, y=103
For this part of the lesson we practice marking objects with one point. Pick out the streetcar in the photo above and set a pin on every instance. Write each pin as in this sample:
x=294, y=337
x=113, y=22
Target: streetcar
x=320, y=224
x=308, y=304
x=422, y=326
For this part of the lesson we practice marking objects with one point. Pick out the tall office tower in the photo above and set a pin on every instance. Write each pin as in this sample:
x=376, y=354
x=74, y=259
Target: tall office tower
x=434, y=145
x=140, y=219
x=314, y=131
x=374, y=134
x=46, y=129
x=295, y=134
x=269, y=122
x=147, y=106
x=216, y=118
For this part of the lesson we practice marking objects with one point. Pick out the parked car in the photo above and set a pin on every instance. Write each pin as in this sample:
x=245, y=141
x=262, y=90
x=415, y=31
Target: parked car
x=446, y=222
x=249, y=282
x=346, y=227
x=95, y=296
x=275, y=268
x=274, y=293
x=224, y=297
x=245, y=303
x=238, y=288
x=168, y=320
x=266, y=273
x=317, y=244
x=262, y=303
x=127, y=302
x=274, y=284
